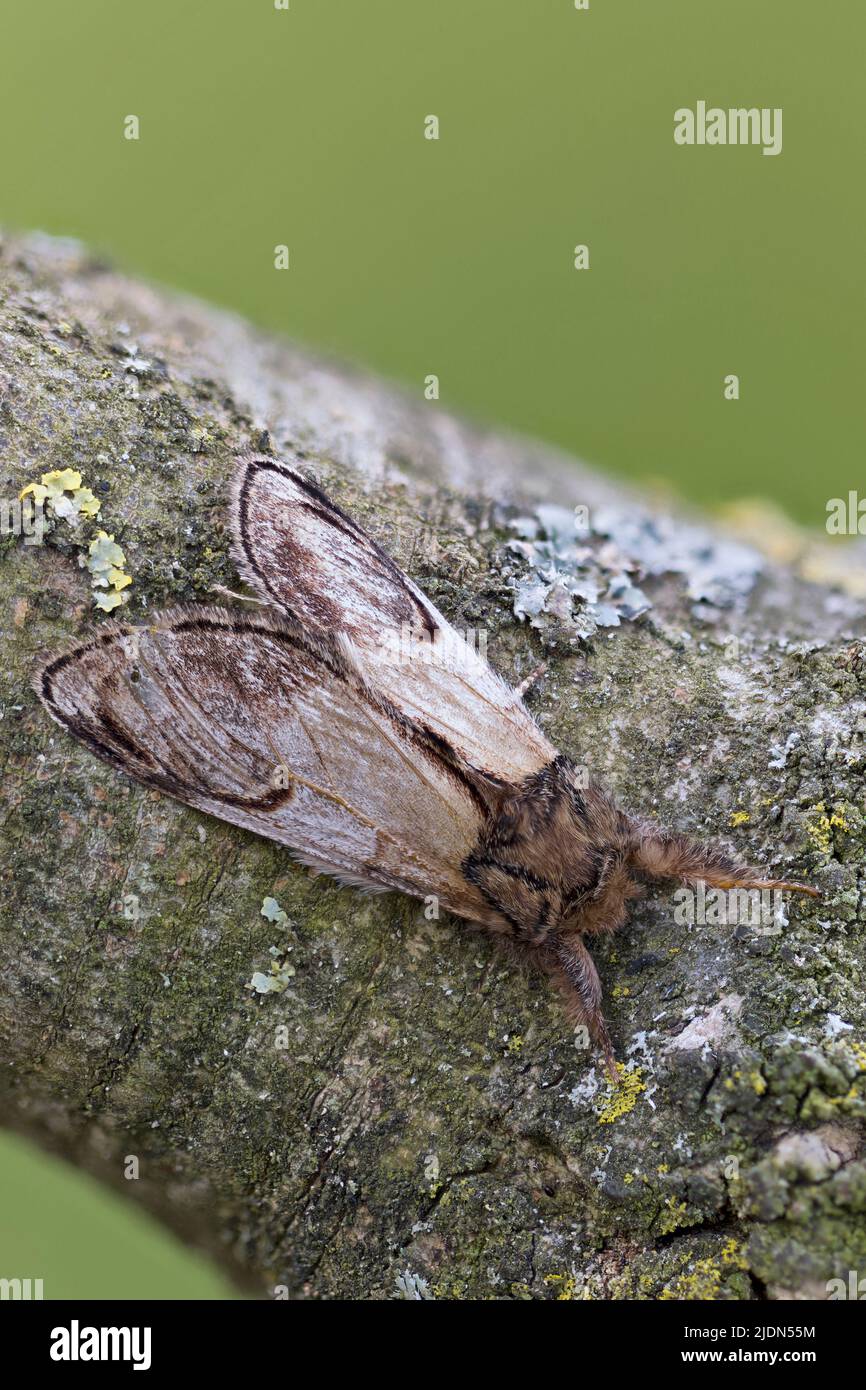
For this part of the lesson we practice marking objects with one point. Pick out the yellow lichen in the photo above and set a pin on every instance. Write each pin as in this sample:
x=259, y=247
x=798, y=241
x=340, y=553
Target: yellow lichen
x=624, y=1097
x=703, y=1281
x=700, y=1285
x=673, y=1217
x=732, y=1254
x=820, y=830
x=455, y=1290
x=52, y=486
x=569, y=1286
x=85, y=501
x=739, y=818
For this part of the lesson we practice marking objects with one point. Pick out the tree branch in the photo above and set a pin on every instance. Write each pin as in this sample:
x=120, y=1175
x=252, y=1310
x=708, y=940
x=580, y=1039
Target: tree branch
x=412, y=1115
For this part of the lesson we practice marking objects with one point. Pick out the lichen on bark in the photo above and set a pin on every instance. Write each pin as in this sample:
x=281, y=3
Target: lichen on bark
x=410, y=1116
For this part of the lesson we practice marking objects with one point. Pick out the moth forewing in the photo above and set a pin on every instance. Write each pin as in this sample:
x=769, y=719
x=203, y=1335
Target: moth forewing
x=252, y=720
x=299, y=551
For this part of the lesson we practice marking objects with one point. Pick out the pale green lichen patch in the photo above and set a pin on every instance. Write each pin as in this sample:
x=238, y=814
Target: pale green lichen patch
x=281, y=969
x=273, y=912
x=412, y=1286
x=61, y=492
x=280, y=973
x=105, y=560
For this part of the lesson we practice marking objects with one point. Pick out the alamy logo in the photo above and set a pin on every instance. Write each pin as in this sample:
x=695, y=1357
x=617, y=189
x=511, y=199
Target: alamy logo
x=761, y=909
x=854, y=1289
x=408, y=645
x=846, y=517
x=21, y=1288
x=22, y=516
x=738, y=125
x=77, y=1343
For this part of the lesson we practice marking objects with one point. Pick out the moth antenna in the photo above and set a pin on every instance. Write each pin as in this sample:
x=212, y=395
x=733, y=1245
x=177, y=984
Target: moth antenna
x=663, y=854
x=531, y=680
x=788, y=885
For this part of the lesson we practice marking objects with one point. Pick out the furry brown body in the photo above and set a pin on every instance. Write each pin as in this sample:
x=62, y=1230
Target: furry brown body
x=557, y=862
x=552, y=856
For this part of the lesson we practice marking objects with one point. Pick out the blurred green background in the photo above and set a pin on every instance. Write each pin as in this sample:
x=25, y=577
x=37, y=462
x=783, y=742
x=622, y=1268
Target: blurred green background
x=60, y=1226
x=305, y=126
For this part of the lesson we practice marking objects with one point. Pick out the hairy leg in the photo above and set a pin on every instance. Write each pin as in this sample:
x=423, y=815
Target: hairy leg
x=569, y=964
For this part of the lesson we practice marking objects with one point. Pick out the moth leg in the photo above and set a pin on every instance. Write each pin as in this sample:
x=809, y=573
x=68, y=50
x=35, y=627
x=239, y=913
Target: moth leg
x=573, y=970
x=529, y=681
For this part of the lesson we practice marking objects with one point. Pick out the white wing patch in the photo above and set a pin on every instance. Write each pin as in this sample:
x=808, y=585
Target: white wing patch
x=303, y=554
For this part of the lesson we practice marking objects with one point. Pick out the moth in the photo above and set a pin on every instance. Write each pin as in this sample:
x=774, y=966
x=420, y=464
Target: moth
x=348, y=720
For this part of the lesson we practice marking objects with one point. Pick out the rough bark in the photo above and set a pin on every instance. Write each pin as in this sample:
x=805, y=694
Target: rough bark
x=431, y=1129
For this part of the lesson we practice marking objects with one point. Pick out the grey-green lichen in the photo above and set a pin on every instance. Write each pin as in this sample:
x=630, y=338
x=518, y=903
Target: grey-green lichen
x=409, y=1113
